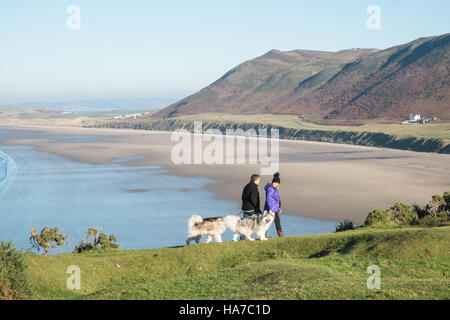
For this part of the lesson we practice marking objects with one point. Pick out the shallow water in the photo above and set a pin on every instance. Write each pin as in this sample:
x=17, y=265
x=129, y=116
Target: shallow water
x=144, y=207
x=3, y=168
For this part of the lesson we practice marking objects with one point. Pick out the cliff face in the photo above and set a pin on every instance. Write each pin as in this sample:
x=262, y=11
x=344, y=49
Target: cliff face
x=374, y=139
x=349, y=84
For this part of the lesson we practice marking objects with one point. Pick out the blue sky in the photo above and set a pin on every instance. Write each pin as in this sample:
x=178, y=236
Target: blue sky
x=139, y=48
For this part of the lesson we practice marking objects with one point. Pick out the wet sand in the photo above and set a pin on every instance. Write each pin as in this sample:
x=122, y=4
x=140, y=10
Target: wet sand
x=319, y=180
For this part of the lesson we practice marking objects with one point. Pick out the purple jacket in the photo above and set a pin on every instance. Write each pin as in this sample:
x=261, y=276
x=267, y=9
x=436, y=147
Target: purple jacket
x=272, y=199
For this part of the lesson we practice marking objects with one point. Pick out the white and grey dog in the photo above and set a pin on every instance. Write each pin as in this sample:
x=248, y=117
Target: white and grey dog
x=258, y=223
x=211, y=227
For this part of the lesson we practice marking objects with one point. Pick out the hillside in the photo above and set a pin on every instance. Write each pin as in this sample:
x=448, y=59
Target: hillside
x=350, y=84
x=414, y=262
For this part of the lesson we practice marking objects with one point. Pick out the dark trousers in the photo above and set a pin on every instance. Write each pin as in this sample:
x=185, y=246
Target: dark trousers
x=278, y=222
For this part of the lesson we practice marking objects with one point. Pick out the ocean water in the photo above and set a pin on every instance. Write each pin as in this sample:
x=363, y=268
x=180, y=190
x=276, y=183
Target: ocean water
x=3, y=168
x=144, y=207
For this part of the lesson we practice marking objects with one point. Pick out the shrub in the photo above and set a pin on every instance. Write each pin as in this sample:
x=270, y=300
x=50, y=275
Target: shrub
x=14, y=282
x=436, y=205
x=441, y=216
x=47, y=240
x=404, y=213
x=95, y=240
x=421, y=211
x=434, y=213
x=345, y=225
x=380, y=217
x=446, y=197
x=428, y=221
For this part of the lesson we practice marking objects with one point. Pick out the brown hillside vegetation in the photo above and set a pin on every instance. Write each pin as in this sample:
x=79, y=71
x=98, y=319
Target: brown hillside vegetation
x=350, y=84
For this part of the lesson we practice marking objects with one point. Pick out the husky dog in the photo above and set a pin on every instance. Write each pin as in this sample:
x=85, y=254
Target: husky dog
x=257, y=223
x=212, y=227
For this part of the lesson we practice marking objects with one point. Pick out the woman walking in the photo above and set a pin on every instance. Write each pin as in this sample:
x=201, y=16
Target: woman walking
x=273, y=202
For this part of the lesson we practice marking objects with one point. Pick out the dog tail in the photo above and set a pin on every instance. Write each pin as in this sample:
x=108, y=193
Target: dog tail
x=231, y=222
x=195, y=219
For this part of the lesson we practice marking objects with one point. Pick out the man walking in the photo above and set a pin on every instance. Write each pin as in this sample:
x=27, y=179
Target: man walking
x=250, y=197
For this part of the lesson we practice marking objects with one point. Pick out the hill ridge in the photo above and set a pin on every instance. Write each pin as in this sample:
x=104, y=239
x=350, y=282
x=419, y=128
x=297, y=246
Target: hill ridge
x=348, y=84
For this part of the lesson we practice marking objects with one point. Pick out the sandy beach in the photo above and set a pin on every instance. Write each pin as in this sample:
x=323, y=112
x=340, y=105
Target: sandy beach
x=319, y=180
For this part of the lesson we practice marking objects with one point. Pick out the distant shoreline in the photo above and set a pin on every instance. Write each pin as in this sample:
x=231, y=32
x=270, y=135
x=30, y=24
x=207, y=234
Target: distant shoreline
x=369, y=139
x=433, y=138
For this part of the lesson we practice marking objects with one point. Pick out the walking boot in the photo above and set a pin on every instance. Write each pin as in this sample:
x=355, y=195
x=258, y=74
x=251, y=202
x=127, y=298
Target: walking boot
x=281, y=234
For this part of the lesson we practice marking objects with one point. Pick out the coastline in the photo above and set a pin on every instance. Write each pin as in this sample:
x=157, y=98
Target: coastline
x=359, y=138
x=322, y=181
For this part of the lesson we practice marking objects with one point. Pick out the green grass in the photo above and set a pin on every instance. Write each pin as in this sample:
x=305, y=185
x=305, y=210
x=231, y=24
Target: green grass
x=42, y=113
x=414, y=262
x=430, y=130
x=7, y=112
x=52, y=117
x=110, y=114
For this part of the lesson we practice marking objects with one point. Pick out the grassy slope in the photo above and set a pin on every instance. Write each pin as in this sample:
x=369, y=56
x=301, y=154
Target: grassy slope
x=415, y=264
x=53, y=117
x=8, y=112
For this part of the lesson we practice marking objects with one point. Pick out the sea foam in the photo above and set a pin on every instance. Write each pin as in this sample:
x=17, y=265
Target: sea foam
x=8, y=170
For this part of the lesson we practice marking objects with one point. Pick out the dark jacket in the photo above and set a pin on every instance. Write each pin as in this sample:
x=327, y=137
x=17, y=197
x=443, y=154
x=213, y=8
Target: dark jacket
x=250, y=198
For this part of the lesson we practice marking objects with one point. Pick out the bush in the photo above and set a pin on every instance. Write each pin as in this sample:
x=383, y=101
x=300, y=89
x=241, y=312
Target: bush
x=380, y=217
x=345, y=225
x=404, y=213
x=446, y=197
x=421, y=211
x=95, y=240
x=14, y=282
x=438, y=209
x=441, y=216
x=436, y=205
x=436, y=212
x=400, y=213
x=47, y=240
x=428, y=221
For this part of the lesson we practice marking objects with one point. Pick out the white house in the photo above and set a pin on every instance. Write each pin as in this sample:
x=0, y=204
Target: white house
x=414, y=117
